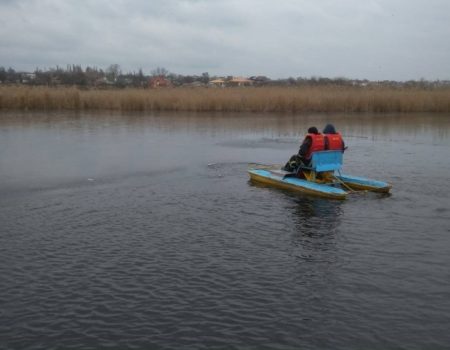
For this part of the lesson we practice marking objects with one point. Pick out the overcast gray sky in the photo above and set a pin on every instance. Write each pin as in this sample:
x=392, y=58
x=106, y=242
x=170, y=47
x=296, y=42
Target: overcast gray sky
x=373, y=39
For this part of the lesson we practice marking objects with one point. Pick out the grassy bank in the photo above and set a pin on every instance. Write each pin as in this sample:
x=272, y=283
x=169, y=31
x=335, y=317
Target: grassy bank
x=262, y=99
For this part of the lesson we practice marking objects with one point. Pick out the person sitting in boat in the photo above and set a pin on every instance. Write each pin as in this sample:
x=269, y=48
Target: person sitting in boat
x=333, y=139
x=313, y=142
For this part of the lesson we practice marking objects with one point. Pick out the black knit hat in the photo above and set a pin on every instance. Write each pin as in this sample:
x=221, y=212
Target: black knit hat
x=313, y=130
x=329, y=129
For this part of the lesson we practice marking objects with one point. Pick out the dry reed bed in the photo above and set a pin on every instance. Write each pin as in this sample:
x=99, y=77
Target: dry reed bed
x=263, y=99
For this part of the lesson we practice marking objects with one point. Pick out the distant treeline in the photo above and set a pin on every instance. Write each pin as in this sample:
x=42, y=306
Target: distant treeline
x=290, y=99
x=113, y=77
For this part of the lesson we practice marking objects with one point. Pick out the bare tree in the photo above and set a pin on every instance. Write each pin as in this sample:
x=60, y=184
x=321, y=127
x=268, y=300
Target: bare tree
x=205, y=78
x=113, y=71
x=160, y=72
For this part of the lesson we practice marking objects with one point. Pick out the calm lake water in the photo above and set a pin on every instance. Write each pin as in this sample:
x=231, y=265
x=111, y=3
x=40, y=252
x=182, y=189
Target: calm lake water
x=143, y=232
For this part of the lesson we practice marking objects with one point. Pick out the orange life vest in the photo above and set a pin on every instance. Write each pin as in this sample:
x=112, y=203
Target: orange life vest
x=317, y=144
x=335, y=142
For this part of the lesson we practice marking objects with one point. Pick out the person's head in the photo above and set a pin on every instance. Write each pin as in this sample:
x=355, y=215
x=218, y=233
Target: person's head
x=313, y=130
x=329, y=129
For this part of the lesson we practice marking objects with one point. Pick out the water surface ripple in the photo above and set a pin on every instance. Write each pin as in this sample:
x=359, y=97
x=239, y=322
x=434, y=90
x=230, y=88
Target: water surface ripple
x=144, y=232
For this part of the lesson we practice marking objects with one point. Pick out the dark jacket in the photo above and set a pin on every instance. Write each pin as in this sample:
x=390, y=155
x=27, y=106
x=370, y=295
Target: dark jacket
x=305, y=146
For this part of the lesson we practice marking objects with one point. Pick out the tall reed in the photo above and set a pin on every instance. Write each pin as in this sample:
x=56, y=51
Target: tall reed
x=248, y=99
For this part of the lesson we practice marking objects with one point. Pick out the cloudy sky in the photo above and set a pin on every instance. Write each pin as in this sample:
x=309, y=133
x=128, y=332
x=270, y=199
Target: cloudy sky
x=373, y=39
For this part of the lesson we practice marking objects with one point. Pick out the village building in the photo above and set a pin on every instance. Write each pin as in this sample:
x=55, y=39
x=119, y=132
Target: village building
x=103, y=81
x=194, y=84
x=260, y=80
x=217, y=83
x=240, y=81
x=27, y=78
x=159, y=82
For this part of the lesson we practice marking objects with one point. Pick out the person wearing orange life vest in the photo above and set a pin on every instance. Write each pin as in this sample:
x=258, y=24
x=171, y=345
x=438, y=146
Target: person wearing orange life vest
x=313, y=142
x=333, y=139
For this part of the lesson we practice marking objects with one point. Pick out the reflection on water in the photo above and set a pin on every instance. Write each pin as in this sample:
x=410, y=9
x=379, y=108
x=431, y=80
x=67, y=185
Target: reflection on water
x=143, y=231
x=311, y=216
x=415, y=126
x=316, y=223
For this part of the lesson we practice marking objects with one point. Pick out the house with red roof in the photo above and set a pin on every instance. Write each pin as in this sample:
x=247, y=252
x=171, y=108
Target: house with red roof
x=159, y=82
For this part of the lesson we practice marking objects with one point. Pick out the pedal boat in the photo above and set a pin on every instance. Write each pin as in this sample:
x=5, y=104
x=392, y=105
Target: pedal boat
x=323, y=178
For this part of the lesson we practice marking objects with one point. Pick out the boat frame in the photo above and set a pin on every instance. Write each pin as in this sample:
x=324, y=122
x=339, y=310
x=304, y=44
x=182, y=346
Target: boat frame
x=323, y=178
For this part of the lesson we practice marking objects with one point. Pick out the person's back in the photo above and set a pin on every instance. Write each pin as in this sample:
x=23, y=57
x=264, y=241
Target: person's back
x=333, y=139
x=313, y=142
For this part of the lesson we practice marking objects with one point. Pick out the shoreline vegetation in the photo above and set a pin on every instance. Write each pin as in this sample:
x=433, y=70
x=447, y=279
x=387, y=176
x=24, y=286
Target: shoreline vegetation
x=298, y=99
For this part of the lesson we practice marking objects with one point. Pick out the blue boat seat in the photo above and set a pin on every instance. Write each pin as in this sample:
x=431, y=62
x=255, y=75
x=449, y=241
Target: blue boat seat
x=326, y=161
